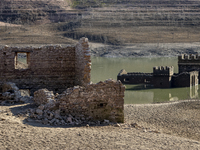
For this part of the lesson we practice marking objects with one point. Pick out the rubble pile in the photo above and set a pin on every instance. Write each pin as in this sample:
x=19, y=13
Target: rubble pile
x=43, y=96
x=93, y=104
x=11, y=93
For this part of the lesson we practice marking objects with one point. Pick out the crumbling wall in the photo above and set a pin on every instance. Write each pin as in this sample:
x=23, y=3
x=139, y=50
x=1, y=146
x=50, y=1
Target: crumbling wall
x=134, y=77
x=52, y=67
x=188, y=63
x=94, y=102
x=48, y=66
x=185, y=79
x=83, y=62
x=12, y=94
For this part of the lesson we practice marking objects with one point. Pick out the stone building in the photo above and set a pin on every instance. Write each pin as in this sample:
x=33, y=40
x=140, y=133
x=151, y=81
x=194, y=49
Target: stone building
x=103, y=100
x=164, y=76
x=52, y=67
x=65, y=72
x=187, y=63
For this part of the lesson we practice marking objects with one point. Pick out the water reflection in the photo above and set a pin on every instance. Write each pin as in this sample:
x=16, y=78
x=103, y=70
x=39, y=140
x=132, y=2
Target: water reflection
x=194, y=92
x=104, y=68
x=138, y=94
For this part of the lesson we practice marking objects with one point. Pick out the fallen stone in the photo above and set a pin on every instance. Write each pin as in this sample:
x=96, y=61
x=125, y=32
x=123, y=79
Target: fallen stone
x=43, y=96
x=62, y=122
x=106, y=121
x=41, y=107
x=45, y=121
x=117, y=125
x=50, y=117
x=9, y=86
x=25, y=99
x=69, y=120
x=52, y=121
x=57, y=114
x=39, y=112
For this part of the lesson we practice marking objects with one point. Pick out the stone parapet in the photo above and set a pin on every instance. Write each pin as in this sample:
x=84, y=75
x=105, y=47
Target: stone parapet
x=189, y=58
x=163, y=70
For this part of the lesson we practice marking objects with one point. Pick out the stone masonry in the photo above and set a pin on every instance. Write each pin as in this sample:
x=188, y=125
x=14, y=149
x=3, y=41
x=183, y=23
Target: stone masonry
x=47, y=70
x=187, y=63
x=52, y=67
x=93, y=102
x=164, y=76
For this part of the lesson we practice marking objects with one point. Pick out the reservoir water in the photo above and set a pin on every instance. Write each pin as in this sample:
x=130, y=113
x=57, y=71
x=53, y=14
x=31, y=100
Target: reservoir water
x=105, y=68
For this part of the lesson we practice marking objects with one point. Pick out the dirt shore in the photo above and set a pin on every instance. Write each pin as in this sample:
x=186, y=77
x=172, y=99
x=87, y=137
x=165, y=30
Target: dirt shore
x=172, y=125
x=145, y=49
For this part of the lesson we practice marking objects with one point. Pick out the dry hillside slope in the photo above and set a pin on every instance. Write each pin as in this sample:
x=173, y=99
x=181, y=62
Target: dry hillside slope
x=103, y=21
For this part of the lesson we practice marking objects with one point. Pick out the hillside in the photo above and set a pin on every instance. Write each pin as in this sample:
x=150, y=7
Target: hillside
x=117, y=22
x=32, y=22
x=140, y=21
x=33, y=12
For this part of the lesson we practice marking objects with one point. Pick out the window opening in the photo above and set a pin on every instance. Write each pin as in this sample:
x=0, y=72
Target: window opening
x=126, y=80
x=21, y=60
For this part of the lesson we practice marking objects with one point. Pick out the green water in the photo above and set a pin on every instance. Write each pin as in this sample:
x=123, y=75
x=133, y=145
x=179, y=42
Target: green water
x=105, y=68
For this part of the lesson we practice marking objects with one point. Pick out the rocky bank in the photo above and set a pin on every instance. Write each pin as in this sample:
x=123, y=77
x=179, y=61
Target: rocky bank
x=144, y=49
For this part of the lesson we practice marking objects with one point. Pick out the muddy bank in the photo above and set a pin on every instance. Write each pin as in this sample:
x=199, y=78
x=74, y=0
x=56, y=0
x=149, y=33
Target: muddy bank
x=144, y=49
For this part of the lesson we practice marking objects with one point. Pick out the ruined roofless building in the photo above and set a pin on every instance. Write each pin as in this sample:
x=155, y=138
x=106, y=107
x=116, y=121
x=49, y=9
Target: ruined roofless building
x=164, y=76
x=63, y=70
x=53, y=67
x=187, y=63
x=160, y=78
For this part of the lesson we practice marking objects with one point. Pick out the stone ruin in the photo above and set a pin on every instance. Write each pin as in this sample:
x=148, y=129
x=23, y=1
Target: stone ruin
x=55, y=67
x=93, y=103
x=59, y=80
x=164, y=76
x=79, y=105
x=12, y=94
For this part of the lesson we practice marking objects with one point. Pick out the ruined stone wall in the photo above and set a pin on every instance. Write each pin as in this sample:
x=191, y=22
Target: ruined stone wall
x=93, y=102
x=187, y=63
x=162, y=81
x=135, y=77
x=181, y=80
x=83, y=62
x=53, y=67
x=163, y=70
x=185, y=79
